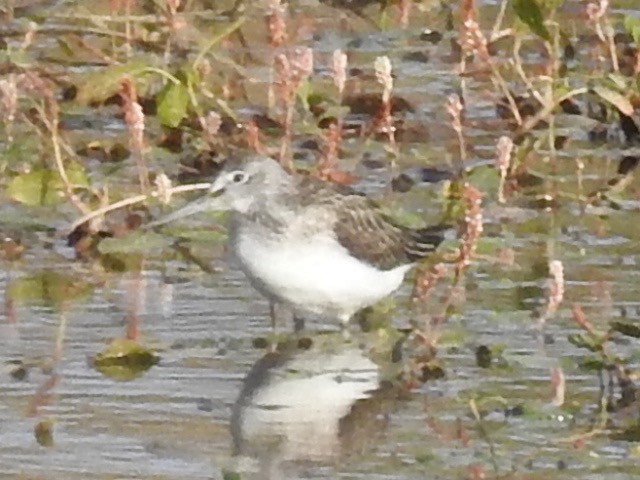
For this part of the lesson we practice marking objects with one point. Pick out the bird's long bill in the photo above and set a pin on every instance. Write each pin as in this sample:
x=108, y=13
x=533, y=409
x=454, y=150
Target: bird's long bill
x=208, y=202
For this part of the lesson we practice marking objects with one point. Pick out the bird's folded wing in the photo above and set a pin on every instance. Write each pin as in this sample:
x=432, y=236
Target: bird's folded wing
x=362, y=228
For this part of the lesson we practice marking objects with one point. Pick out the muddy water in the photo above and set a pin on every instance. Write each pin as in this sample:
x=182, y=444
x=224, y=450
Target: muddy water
x=320, y=406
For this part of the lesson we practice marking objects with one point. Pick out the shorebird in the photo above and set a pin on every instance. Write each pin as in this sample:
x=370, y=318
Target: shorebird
x=307, y=245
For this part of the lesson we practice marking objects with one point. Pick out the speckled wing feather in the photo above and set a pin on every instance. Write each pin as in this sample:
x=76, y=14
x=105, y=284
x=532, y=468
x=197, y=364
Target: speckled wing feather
x=363, y=229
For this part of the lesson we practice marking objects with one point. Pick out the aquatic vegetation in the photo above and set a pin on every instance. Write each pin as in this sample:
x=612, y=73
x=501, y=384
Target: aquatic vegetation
x=514, y=122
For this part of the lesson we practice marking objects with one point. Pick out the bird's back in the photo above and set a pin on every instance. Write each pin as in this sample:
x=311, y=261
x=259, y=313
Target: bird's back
x=362, y=227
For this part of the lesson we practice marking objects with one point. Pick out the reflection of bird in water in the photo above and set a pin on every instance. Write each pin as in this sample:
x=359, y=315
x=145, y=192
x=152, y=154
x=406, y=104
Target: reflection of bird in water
x=311, y=405
x=311, y=246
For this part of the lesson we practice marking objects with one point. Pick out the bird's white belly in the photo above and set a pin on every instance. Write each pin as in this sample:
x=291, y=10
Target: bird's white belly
x=317, y=275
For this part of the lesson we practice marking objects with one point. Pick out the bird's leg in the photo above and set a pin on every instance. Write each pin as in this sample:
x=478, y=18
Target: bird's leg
x=280, y=314
x=298, y=323
x=283, y=314
x=273, y=314
x=344, y=326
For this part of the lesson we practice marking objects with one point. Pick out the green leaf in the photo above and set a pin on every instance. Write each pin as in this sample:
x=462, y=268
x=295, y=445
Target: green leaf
x=582, y=341
x=304, y=92
x=552, y=4
x=49, y=288
x=34, y=188
x=592, y=364
x=632, y=24
x=66, y=47
x=173, y=103
x=43, y=432
x=484, y=177
x=229, y=475
x=337, y=111
x=489, y=245
x=125, y=359
x=619, y=81
x=45, y=187
x=137, y=242
x=529, y=12
x=20, y=57
x=626, y=328
x=101, y=84
x=616, y=99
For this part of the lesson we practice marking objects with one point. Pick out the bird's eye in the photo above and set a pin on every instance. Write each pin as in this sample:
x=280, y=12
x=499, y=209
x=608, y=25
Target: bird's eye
x=239, y=177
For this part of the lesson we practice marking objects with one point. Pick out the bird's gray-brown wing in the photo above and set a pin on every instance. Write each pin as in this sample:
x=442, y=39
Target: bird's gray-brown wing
x=363, y=229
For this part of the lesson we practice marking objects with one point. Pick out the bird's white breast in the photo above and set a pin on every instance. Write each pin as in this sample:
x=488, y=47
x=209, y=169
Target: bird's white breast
x=315, y=274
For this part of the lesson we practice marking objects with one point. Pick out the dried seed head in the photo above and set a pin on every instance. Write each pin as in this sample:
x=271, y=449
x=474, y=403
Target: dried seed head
x=164, y=188
x=330, y=150
x=503, y=161
x=9, y=97
x=172, y=6
x=473, y=227
x=291, y=71
x=283, y=82
x=134, y=118
x=597, y=9
x=556, y=288
x=276, y=23
x=426, y=281
x=32, y=28
x=505, y=146
x=32, y=82
x=559, y=386
x=555, y=291
x=404, y=12
x=174, y=20
x=473, y=41
x=382, y=68
x=301, y=60
x=211, y=125
x=213, y=121
x=383, y=122
x=339, y=70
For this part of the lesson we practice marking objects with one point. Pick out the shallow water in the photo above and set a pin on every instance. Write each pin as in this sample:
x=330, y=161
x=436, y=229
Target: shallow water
x=175, y=421
x=322, y=405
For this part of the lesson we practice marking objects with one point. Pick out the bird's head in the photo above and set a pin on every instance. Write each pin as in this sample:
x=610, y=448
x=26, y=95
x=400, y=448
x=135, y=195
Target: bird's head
x=239, y=188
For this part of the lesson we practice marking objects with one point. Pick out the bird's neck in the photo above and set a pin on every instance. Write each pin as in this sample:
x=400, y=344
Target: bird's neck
x=273, y=213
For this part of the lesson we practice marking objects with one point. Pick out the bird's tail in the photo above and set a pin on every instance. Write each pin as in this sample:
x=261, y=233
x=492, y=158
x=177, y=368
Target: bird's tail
x=420, y=242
